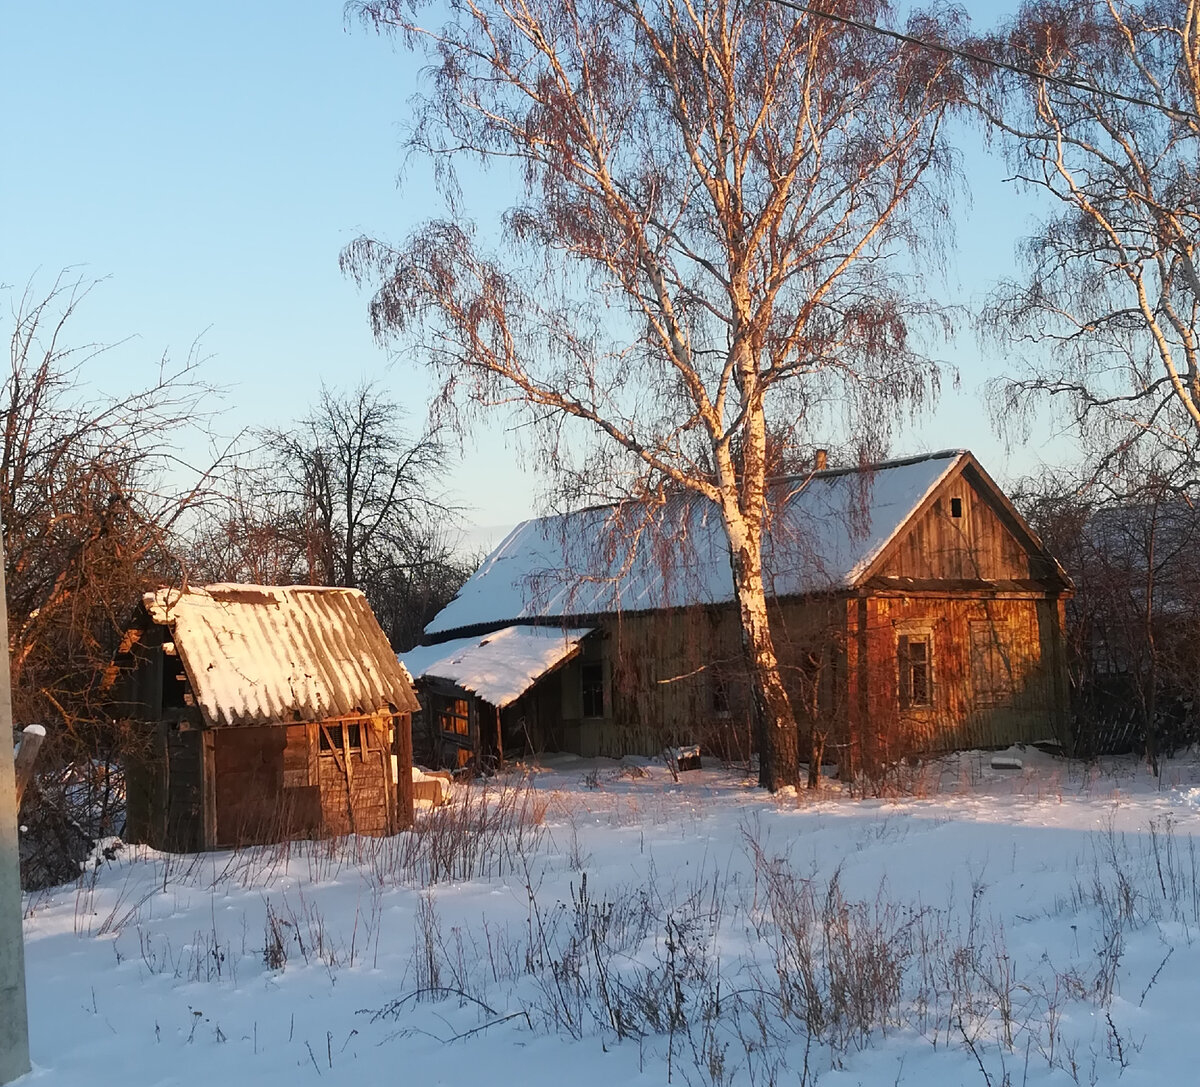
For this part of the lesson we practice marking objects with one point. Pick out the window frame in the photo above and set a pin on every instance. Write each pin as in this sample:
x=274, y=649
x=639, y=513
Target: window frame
x=343, y=736
x=590, y=690
x=453, y=708
x=908, y=635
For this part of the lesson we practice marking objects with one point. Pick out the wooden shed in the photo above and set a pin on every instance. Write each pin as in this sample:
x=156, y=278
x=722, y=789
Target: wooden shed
x=267, y=713
x=913, y=610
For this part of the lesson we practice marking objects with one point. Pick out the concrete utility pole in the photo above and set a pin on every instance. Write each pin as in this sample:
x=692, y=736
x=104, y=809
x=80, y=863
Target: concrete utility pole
x=14, y=1022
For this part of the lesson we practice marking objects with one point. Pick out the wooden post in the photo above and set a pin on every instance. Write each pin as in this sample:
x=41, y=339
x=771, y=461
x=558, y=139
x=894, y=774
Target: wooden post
x=404, y=761
x=208, y=783
x=14, y=1021
x=32, y=738
x=380, y=722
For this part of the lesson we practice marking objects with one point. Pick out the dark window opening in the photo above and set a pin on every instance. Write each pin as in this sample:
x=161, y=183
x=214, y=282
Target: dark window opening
x=176, y=690
x=956, y=507
x=332, y=737
x=454, y=717
x=720, y=694
x=591, y=687
x=916, y=676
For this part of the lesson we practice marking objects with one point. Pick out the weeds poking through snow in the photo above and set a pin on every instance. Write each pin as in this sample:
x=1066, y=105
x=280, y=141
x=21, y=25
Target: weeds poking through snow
x=276, y=937
x=758, y=969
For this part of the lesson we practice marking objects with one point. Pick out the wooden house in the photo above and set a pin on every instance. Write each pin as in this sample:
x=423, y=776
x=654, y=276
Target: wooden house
x=913, y=610
x=268, y=713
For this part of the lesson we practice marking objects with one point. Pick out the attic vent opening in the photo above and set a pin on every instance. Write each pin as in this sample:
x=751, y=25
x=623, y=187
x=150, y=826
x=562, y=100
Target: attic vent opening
x=956, y=507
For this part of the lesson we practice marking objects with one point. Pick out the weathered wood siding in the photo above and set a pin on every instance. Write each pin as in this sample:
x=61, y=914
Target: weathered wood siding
x=184, y=767
x=357, y=793
x=1013, y=638
x=248, y=784
x=976, y=546
x=402, y=752
x=679, y=677
x=273, y=782
x=994, y=672
x=660, y=676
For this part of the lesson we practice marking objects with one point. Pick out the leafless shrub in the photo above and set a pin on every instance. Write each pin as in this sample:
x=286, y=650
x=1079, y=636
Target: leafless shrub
x=276, y=937
x=483, y=834
x=204, y=958
x=426, y=956
x=91, y=497
x=822, y=974
x=839, y=966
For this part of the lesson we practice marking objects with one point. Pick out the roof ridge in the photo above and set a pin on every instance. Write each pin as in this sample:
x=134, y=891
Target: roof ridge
x=565, y=566
x=824, y=473
x=874, y=466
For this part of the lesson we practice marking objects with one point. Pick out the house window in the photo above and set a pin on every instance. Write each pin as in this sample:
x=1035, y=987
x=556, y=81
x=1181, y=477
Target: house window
x=914, y=654
x=719, y=693
x=991, y=663
x=454, y=717
x=591, y=688
x=341, y=737
x=956, y=507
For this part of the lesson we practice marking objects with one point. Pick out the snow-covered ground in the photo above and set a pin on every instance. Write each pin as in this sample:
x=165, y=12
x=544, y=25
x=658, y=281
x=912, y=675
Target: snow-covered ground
x=594, y=923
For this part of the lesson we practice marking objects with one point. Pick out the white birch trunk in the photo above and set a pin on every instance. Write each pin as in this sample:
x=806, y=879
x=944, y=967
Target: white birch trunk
x=743, y=507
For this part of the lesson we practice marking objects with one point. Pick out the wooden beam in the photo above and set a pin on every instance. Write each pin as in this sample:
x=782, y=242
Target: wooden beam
x=32, y=739
x=404, y=781
x=208, y=786
x=385, y=767
x=940, y=589
x=333, y=748
x=348, y=769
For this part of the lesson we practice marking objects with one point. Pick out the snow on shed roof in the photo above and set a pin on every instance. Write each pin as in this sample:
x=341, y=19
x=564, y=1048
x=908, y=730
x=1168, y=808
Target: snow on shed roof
x=260, y=654
x=828, y=531
x=499, y=667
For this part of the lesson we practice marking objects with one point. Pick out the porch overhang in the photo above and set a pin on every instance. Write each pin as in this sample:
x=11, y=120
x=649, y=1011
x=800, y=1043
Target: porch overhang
x=498, y=667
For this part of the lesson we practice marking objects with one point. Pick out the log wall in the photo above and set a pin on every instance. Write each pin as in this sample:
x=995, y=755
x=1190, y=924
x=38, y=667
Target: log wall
x=994, y=671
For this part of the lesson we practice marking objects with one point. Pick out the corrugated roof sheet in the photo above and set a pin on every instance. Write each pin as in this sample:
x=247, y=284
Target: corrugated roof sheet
x=827, y=531
x=257, y=654
x=500, y=666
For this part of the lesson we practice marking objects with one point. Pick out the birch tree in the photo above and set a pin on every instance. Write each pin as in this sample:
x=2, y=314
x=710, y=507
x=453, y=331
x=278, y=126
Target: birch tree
x=1109, y=307
x=710, y=242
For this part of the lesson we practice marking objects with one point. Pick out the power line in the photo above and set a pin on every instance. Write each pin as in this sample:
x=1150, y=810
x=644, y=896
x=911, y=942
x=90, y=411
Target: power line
x=992, y=62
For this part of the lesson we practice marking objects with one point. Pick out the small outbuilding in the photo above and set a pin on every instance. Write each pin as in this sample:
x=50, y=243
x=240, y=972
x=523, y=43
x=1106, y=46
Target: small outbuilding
x=267, y=713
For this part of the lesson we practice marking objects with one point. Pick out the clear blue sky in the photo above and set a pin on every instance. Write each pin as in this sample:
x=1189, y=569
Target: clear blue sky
x=212, y=159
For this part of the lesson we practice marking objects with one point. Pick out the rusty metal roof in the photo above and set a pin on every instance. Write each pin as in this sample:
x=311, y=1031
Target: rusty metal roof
x=260, y=654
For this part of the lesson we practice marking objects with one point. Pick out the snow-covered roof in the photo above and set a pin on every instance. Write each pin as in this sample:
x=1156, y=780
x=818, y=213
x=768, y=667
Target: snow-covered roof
x=827, y=530
x=500, y=666
x=260, y=654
